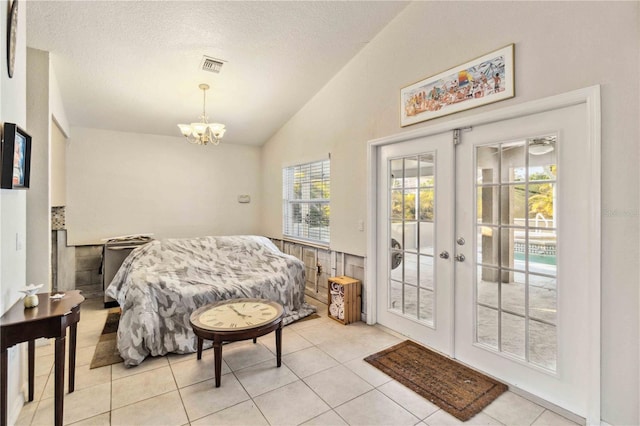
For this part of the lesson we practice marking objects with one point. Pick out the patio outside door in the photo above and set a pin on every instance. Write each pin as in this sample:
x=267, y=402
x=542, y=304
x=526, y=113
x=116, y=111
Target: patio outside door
x=523, y=208
x=488, y=250
x=415, y=200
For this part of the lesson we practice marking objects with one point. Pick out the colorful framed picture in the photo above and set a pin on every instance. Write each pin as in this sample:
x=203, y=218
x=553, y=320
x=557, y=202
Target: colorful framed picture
x=16, y=158
x=482, y=81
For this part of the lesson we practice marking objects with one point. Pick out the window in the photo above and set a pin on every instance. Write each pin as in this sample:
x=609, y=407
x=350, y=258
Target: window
x=305, y=194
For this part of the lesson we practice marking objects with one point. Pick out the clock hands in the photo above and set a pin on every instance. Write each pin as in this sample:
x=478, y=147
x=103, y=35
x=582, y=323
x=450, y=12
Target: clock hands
x=239, y=313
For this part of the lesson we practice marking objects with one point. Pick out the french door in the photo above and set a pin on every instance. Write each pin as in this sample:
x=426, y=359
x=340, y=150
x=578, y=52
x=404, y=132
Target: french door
x=522, y=204
x=485, y=250
x=416, y=230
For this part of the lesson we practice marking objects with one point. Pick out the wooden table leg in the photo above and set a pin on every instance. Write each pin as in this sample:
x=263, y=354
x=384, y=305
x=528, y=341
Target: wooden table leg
x=59, y=380
x=3, y=388
x=217, y=353
x=73, y=331
x=279, y=345
x=31, y=350
x=200, y=342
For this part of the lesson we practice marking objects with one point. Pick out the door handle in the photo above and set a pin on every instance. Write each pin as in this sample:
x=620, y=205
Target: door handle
x=396, y=257
x=444, y=255
x=460, y=257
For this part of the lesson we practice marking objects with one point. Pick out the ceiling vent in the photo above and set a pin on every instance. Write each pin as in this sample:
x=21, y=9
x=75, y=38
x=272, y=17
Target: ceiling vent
x=211, y=64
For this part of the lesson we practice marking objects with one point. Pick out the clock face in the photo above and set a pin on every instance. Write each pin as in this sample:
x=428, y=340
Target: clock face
x=238, y=315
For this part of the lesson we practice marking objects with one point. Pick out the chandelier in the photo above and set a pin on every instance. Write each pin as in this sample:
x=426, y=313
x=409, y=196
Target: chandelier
x=203, y=133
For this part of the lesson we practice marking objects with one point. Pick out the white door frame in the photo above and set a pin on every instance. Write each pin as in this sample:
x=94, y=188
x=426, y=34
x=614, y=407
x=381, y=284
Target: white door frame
x=589, y=96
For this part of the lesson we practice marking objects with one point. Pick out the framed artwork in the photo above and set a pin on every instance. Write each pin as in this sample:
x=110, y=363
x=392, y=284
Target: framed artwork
x=484, y=80
x=16, y=158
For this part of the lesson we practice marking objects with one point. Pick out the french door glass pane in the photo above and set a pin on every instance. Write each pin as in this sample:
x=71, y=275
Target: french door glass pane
x=412, y=199
x=516, y=239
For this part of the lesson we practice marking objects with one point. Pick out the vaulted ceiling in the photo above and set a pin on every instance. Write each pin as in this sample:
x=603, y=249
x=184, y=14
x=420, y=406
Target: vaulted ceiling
x=134, y=66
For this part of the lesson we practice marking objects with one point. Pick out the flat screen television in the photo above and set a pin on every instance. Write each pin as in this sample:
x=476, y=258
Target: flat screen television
x=16, y=158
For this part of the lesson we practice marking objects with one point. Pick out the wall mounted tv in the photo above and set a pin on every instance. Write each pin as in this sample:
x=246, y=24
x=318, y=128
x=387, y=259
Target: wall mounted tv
x=16, y=158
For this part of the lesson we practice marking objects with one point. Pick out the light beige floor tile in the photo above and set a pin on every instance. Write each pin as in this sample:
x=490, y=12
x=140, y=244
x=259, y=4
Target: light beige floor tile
x=337, y=385
x=84, y=356
x=244, y=414
x=374, y=408
x=328, y=418
x=44, y=347
x=44, y=365
x=512, y=409
x=204, y=398
x=194, y=371
x=264, y=377
x=101, y=420
x=411, y=401
x=176, y=358
x=277, y=404
x=79, y=405
x=85, y=377
x=165, y=410
x=239, y=355
x=142, y=386
x=549, y=418
x=301, y=325
x=442, y=418
x=119, y=370
x=308, y=361
x=291, y=342
x=26, y=414
x=345, y=350
x=84, y=340
x=368, y=372
x=40, y=382
x=322, y=332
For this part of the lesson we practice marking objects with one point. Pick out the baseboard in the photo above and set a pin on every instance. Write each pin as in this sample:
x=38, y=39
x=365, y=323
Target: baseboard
x=548, y=405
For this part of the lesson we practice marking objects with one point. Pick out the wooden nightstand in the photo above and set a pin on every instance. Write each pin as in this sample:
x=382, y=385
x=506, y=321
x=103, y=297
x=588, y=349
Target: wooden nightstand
x=344, y=299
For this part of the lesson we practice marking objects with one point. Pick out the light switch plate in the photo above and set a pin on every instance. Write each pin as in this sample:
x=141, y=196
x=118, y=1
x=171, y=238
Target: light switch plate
x=244, y=198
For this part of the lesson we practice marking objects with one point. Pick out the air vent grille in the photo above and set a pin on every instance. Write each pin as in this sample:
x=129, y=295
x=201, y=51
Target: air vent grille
x=211, y=64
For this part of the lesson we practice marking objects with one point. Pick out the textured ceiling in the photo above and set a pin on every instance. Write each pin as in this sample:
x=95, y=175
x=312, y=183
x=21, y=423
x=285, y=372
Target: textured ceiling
x=135, y=66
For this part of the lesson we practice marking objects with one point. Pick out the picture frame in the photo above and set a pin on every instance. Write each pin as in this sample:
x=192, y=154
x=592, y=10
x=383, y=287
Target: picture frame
x=16, y=158
x=481, y=81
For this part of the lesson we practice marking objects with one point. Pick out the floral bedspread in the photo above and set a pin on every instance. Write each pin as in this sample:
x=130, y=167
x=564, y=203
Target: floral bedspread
x=161, y=283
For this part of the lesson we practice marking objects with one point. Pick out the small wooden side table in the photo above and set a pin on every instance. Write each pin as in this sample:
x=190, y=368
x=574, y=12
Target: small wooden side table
x=236, y=319
x=49, y=319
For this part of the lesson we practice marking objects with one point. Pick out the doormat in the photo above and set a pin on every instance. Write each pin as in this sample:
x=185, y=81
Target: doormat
x=106, y=352
x=457, y=389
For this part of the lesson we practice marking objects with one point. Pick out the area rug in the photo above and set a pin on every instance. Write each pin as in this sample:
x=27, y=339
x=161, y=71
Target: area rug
x=457, y=389
x=106, y=352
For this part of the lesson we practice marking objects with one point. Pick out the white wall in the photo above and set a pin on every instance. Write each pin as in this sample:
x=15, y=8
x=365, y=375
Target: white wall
x=125, y=183
x=58, y=166
x=560, y=46
x=38, y=204
x=13, y=203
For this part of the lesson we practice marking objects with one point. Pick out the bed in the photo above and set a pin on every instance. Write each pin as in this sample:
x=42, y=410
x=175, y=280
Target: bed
x=161, y=283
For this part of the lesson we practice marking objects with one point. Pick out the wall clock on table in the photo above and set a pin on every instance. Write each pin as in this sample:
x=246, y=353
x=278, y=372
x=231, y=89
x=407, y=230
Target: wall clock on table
x=239, y=315
x=12, y=27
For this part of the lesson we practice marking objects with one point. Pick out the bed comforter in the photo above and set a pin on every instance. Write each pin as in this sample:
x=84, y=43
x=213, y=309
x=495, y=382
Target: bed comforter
x=161, y=283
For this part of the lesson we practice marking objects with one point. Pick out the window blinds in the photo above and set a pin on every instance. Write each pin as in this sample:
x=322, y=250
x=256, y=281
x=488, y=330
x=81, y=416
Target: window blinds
x=306, y=195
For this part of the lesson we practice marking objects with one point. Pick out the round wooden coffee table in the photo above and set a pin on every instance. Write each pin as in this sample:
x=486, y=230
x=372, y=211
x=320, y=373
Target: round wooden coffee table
x=236, y=319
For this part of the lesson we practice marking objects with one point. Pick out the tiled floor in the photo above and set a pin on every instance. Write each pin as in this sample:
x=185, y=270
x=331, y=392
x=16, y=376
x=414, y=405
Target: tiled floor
x=323, y=381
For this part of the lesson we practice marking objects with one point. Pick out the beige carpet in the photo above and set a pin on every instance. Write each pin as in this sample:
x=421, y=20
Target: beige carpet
x=457, y=389
x=106, y=351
